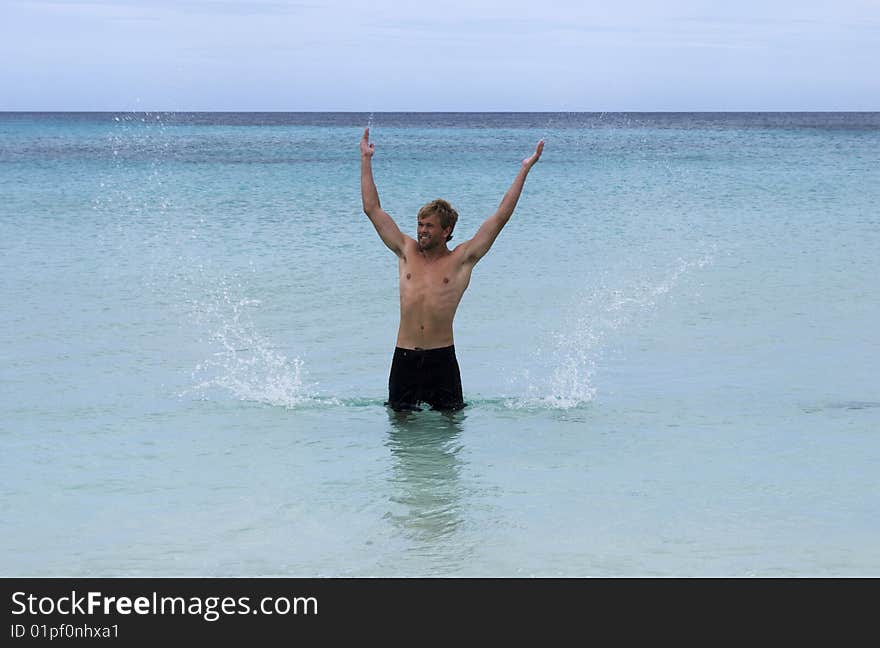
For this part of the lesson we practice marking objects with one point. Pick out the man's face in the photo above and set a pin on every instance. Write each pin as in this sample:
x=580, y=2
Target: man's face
x=430, y=233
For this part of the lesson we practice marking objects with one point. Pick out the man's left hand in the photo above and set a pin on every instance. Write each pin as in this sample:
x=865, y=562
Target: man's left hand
x=532, y=159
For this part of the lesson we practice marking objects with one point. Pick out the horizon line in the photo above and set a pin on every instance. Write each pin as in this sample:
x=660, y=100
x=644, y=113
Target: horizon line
x=440, y=112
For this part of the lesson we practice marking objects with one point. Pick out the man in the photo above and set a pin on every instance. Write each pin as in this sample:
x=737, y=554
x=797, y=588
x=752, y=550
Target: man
x=432, y=280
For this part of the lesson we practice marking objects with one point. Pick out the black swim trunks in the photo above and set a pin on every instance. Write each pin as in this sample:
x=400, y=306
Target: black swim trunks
x=428, y=376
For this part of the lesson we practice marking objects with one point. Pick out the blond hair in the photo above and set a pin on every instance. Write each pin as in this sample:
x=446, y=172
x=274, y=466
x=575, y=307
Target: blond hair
x=445, y=212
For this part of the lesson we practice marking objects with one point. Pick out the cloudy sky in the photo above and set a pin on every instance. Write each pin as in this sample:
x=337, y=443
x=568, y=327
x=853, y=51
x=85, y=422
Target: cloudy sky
x=467, y=55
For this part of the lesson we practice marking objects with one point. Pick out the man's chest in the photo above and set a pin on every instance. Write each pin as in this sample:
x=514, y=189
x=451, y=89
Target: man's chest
x=440, y=278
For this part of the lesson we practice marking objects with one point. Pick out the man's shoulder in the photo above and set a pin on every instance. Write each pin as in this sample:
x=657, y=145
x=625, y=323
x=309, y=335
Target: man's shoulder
x=462, y=252
x=409, y=246
x=409, y=242
x=461, y=248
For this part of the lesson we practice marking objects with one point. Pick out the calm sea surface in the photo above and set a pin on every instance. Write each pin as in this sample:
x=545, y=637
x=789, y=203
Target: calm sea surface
x=671, y=354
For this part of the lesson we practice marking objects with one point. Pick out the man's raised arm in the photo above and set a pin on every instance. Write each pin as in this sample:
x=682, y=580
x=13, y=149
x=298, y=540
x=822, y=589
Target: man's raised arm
x=489, y=231
x=384, y=224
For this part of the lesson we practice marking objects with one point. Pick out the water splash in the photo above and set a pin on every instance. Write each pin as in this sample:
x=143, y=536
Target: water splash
x=567, y=369
x=245, y=363
x=215, y=306
x=548, y=127
x=135, y=137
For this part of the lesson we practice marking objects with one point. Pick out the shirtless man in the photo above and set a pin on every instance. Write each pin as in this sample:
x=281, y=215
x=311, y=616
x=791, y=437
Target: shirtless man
x=432, y=280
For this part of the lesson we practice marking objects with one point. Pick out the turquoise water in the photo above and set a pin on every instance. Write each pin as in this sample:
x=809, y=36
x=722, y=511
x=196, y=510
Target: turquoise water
x=670, y=354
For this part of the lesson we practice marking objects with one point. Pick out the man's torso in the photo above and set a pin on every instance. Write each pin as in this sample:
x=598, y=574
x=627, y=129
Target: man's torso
x=430, y=291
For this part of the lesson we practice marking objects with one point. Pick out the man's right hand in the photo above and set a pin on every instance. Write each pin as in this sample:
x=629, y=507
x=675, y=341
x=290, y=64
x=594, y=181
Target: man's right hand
x=367, y=149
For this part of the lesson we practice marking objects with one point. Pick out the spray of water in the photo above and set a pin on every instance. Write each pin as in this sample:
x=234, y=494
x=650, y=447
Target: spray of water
x=547, y=128
x=134, y=202
x=565, y=376
x=244, y=362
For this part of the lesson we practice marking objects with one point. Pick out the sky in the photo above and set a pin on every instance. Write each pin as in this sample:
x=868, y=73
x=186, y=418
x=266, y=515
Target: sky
x=423, y=55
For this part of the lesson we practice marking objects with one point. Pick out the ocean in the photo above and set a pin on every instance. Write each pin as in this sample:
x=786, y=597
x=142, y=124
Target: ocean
x=670, y=354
